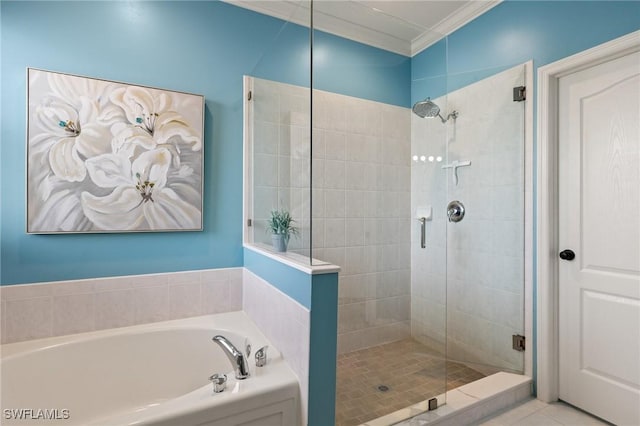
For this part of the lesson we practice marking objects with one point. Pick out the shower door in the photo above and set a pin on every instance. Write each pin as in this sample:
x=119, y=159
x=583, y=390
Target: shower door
x=485, y=249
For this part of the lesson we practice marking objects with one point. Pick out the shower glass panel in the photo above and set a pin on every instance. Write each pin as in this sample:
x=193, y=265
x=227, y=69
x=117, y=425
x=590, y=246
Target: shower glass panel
x=485, y=250
x=365, y=221
x=278, y=111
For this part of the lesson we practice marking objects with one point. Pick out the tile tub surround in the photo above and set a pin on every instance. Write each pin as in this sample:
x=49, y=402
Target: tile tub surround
x=285, y=322
x=34, y=311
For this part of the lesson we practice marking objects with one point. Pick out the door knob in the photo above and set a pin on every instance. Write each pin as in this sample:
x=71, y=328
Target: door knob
x=567, y=255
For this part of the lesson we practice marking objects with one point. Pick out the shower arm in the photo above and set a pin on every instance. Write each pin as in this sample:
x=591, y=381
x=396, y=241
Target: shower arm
x=453, y=114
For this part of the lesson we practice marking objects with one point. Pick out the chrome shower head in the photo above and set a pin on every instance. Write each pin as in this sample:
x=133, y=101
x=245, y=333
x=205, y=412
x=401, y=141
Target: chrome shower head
x=428, y=109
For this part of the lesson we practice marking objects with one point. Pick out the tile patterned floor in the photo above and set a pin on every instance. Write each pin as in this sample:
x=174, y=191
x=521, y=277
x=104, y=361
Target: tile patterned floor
x=538, y=413
x=409, y=369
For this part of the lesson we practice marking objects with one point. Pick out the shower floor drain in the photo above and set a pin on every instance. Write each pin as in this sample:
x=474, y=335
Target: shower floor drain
x=383, y=388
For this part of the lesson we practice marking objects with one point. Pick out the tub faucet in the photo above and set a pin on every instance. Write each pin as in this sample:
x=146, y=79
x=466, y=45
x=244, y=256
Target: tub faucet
x=237, y=359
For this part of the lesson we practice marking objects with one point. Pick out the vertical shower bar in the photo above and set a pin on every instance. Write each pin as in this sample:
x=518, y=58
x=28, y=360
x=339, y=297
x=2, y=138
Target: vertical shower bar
x=423, y=225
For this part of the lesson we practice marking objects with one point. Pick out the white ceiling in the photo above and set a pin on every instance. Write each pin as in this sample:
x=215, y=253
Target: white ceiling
x=402, y=26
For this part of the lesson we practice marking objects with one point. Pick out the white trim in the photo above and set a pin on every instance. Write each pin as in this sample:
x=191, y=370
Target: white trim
x=366, y=32
x=461, y=17
x=294, y=260
x=547, y=201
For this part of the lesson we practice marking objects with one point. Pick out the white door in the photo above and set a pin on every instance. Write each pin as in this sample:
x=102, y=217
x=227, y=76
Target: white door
x=599, y=220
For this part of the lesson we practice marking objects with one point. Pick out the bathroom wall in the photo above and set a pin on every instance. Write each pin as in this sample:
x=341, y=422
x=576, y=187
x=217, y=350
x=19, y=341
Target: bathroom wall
x=361, y=203
x=361, y=200
x=285, y=322
x=515, y=32
x=281, y=159
x=280, y=309
x=193, y=46
x=39, y=310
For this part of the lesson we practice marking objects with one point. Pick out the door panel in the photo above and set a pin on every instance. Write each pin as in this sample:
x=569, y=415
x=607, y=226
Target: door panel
x=599, y=218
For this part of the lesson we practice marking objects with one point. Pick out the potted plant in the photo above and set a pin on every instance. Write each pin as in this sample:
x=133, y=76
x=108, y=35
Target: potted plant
x=281, y=226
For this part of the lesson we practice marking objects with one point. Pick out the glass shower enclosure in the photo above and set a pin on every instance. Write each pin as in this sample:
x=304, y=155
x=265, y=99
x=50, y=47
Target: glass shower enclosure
x=422, y=208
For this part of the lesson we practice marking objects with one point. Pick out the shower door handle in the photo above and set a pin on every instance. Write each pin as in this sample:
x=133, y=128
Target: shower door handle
x=423, y=225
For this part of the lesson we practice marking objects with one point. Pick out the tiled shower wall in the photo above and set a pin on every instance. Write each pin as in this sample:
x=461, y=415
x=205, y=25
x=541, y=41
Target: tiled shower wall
x=484, y=262
x=360, y=200
x=281, y=158
x=361, y=206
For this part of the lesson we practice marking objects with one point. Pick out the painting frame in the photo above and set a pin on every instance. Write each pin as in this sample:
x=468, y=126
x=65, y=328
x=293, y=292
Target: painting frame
x=104, y=156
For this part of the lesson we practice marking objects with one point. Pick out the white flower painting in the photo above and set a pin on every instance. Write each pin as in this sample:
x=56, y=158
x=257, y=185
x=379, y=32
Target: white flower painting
x=111, y=157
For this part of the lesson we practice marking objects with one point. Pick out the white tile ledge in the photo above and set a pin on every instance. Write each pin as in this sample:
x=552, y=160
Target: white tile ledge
x=294, y=260
x=465, y=404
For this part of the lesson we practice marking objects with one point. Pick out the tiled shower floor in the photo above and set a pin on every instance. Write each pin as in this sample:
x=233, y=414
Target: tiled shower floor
x=410, y=371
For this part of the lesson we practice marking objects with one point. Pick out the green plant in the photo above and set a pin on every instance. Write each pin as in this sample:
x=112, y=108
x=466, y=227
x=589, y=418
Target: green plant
x=281, y=222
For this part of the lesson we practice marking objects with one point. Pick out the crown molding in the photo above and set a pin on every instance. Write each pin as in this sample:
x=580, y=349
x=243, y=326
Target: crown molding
x=461, y=17
x=298, y=12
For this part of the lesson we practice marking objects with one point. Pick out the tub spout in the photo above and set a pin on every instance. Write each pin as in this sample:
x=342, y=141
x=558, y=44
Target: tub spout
x=237, y=359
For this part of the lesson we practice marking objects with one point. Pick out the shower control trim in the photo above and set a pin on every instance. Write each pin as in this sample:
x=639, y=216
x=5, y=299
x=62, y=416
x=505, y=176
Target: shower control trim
x=455, y=211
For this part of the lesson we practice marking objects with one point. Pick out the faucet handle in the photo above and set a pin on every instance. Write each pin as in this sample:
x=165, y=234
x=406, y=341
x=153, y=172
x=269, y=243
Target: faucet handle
x=247, y=347
x=261, y=356
x=219, y=382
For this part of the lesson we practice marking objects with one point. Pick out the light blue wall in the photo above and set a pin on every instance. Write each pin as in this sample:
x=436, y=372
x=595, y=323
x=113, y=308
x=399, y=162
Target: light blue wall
x=203, y=47
x=355, y=69
x=323, y=348
x=514, y=32
x=292, y=282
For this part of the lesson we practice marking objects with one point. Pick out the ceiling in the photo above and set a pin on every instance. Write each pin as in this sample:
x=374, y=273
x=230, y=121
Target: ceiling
x=402, y=26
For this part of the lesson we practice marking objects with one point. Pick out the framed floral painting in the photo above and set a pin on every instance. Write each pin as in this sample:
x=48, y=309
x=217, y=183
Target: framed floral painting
x=104, y=156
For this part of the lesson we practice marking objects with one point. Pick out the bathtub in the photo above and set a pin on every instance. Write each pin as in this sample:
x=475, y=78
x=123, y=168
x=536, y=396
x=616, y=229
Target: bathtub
x=153, y=374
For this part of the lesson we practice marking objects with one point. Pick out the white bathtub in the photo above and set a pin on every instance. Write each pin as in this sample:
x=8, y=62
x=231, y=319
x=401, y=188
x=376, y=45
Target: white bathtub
x=154, y=374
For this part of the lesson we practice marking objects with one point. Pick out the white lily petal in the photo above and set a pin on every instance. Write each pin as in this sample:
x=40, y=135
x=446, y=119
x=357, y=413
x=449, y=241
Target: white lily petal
x=52, y=112
x=88, y=110
x=119, y=210
x=168, y=117
x=41, y=143
x=95, y=139
x=132, y=135
x=139, y=96
x=117, y=96
x=61, y=212
x=110, y=170
x=168, y=211
x=162, y=103
x=186, y=134
x=65, y=161
x=153, y=166
x=111, y=114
